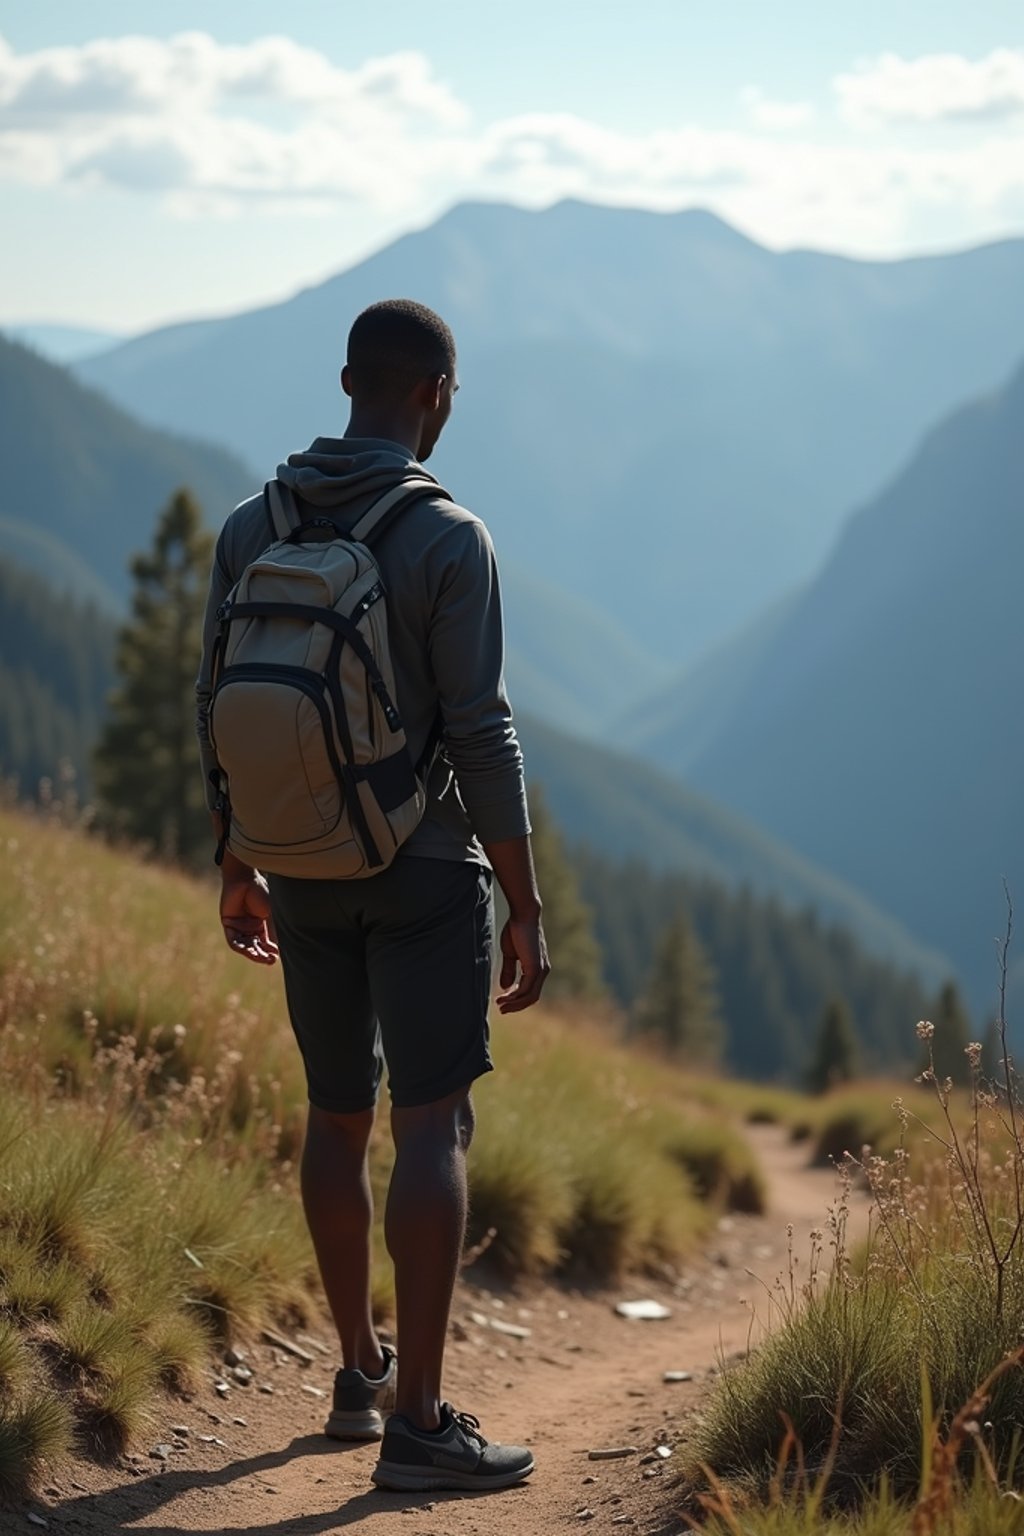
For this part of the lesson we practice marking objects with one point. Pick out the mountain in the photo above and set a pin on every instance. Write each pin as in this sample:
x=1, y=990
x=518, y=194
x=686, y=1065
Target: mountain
x=567, y=661
x=56, y=668
x=626, y=809
x=83, y=482
x=670, y=419
x=62, y=343
x=880, y=731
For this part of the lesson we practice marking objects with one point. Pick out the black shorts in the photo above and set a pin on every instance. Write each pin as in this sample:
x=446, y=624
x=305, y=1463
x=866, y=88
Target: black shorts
x=393, y=968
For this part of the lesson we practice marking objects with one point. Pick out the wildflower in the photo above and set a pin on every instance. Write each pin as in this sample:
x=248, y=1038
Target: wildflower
x=925, y=1029
x=973, y=1054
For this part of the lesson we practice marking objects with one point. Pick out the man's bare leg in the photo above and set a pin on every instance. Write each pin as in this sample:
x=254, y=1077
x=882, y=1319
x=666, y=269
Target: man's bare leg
x=425, y=1225
x=339, y=1210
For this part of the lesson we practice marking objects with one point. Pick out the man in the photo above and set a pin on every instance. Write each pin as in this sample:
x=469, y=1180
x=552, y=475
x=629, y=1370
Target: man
x=399, y=964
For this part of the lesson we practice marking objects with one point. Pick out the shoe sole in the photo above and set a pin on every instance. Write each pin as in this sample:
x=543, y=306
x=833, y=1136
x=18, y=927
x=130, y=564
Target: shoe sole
x=407, y=1479
x=367, y=1424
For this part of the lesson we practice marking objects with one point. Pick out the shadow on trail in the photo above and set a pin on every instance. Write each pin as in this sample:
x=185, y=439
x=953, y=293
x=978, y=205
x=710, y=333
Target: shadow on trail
x=120, y=1509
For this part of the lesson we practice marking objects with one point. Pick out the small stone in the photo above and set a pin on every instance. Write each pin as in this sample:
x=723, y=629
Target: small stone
x=161, y=1453
x=652, y=1472
x=673, y=1376
x=215, y=1418
x=265, y=1388
x=242, y=1423
x=269, y=1488
x=590, y=1478
x=663, y=1452
x=623, y=1520
x=313, y=1391
x=512, y=1330
x=643, y=1311
x=181, y=1429
x=222, y=1389
x=612, y=1453
x=35, y=1519
x=242, y=1375
x=234, y=1357
x=635, y=1392
x=584, y=1514
x=212, y=1440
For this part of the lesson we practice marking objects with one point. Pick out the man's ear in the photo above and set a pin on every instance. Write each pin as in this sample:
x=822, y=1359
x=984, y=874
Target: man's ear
x=430, y=391
x=346, y=380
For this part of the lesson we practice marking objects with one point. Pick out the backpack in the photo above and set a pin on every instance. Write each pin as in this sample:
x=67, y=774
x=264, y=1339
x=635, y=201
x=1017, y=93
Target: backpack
x=314, y=776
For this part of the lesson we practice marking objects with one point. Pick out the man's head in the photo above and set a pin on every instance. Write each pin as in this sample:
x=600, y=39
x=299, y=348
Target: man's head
x=401, y=367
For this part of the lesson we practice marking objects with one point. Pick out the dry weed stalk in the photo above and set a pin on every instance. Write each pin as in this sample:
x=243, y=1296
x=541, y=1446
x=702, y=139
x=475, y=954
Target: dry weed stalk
x=939, y=1471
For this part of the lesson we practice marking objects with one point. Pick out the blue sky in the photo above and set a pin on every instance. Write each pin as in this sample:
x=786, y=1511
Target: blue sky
x=160, y=161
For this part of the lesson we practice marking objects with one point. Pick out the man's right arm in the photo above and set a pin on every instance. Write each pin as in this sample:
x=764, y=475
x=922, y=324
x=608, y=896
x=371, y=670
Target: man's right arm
x=467, y=659
x=524, y=952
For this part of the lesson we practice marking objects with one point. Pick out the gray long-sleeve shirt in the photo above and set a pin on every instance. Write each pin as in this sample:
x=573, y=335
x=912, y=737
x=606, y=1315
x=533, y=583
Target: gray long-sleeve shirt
x=445, y=627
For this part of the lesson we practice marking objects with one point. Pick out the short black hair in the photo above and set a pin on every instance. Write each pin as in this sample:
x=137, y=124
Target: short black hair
x=394, y=345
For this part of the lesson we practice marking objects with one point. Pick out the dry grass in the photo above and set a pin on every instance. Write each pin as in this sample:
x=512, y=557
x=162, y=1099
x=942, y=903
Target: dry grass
x=872, y=1362
x=151, y=1119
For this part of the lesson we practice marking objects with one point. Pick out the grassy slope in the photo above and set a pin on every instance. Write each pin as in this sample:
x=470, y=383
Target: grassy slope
x=147, y=1070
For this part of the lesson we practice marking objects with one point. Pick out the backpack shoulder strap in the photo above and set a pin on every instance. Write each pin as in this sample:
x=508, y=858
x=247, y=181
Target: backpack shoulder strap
x=283, y=514
x=387, y=507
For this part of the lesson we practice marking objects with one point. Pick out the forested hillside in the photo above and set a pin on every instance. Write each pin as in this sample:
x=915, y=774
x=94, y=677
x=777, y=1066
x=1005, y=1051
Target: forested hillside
x=83, y=482
x=56, y=657
x=880, y=731
x=658, y=414
x=775, y=968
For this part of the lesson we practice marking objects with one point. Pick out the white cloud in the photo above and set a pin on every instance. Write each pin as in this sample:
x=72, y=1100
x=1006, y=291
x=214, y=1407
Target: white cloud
x=775, y=116
x=933, y=88
x=212, y=130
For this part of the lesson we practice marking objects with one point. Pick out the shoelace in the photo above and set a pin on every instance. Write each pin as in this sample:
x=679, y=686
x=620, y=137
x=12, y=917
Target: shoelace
x=470, y=1425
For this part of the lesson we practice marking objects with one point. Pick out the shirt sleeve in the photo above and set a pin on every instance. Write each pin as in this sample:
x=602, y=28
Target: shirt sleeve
x=220, y=585
x=467, y=657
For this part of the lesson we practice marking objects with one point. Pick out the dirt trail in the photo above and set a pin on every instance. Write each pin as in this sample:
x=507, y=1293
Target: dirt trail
x=583, y=1378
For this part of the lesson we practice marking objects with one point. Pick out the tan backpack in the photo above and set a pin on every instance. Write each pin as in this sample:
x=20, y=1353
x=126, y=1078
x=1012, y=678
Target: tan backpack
x=314, y=776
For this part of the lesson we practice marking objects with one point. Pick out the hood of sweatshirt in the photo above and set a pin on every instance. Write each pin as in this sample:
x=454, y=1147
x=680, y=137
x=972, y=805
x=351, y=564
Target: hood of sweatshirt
x=336, y=470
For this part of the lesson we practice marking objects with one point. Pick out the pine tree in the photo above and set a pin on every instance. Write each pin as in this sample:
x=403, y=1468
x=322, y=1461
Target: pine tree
x=679, y=1005
x=148, y=785
x=568, y=924
x=952, y=1035
x=834, y=1059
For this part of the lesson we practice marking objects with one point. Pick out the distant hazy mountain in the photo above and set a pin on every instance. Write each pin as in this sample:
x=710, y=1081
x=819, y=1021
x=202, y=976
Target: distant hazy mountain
x=624, y=808
x=62, y=343
x=657, y=413
x=83, y=483
x=56, y=668
x=881, y=729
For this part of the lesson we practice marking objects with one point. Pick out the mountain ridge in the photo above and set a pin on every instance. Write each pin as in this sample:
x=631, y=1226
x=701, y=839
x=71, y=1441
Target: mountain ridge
x=626, y=370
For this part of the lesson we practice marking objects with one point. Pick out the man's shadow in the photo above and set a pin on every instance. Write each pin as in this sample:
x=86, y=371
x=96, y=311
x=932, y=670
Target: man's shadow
x=107, y=1512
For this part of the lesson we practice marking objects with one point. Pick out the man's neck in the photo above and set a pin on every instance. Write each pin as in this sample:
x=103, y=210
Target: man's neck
x=391, y=426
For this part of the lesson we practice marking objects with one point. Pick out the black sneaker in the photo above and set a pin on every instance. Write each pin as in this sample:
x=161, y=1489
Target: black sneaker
x=454, y=1456
x=360, y=1401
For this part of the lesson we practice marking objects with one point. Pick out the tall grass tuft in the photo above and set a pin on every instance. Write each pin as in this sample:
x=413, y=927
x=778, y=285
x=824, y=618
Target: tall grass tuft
x=31, y=1435
x=933, y=1308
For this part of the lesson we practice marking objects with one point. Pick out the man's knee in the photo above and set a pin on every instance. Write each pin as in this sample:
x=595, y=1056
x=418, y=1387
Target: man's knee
x=347, y=1135
x=449, y=1121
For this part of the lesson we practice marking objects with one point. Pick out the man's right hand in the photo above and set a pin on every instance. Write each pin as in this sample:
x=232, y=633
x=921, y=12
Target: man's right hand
x=524, y=964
